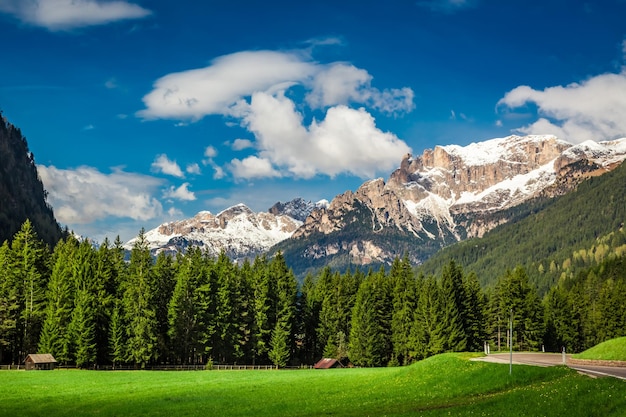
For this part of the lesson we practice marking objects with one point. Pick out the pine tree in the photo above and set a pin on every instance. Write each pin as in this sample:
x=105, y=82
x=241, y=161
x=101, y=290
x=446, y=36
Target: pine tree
x=264, y=290
x=191, y=325
x=404, y=304
x=11, y=304
x=369, y=339
x=138, y=304
x=453, y=300
x=32, y=274
x=282, y=336
x=60, y=302
x=164, y=281
x=307, y=320
x=474, y=305
x=117, y=336
x=516, y=293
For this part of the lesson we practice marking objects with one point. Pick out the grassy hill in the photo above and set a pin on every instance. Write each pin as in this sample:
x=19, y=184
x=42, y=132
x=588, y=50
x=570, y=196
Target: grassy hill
x=548, y=234
x=611, y=350
x=447, y=384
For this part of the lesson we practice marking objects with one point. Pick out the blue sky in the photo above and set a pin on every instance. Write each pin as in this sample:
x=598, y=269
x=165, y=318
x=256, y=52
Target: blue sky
x=145, y=111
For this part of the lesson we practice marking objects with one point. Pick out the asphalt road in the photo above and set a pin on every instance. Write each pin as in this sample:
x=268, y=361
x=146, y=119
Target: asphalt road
x=552, y=359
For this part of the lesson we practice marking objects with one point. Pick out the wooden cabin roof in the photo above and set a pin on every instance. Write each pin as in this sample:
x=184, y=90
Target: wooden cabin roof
x=40, y=358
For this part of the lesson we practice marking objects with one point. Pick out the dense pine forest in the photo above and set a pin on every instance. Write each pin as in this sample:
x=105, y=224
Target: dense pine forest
x=88, y=306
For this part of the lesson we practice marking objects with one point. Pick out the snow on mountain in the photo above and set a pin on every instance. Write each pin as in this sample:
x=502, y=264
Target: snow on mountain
x=450, y=192
x=238, y=231
x=443, y=195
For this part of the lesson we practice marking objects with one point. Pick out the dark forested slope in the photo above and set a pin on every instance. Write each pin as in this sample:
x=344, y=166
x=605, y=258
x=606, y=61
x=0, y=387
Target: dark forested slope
x=22, y=195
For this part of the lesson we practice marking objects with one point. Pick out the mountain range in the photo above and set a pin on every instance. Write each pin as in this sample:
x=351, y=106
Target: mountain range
x=447, y=194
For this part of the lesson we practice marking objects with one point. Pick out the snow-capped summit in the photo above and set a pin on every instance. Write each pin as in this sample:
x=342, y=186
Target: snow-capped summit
x=238, y=231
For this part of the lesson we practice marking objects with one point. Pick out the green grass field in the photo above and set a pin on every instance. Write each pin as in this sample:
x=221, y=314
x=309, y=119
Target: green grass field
x=447, y=384
x=611, y=350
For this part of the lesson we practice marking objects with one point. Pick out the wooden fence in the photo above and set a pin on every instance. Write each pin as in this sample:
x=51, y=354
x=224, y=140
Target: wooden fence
x=171, y=367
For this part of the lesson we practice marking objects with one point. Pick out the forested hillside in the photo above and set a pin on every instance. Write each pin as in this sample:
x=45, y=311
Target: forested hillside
x=551, y=239
x=22, y=195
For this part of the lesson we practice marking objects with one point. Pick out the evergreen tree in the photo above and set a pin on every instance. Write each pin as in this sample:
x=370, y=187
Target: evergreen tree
x=11, y=304
x=264, y=289
x=474, y=304
x=164, y=281
x=369, y=337
x=118, y=352
x=60, y=302
x=307, y=320
x=282, y=336
x=452, y=327
x=190, y=310
x=32, y=274
x=138, y=304
x=404, y=304
x=82, y=329
x=516, y=293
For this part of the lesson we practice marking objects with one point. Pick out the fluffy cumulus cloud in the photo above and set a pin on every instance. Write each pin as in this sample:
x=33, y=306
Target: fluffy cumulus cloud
x=166, y=166
x=251, y=87
x=85, y=195
x=342, y=83
x=345, y=141
x=70, y=14
x=179, y=193
x=590, y=110
x=196, y=93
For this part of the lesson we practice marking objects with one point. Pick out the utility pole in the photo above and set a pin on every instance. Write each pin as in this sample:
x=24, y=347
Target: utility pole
x=511, y=343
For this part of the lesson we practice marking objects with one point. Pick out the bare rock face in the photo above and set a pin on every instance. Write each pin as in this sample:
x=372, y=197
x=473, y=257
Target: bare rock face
x=450, y=191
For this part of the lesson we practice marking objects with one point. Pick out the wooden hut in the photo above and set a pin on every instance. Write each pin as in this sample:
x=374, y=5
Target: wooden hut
x=40, y=361
x=327, y=363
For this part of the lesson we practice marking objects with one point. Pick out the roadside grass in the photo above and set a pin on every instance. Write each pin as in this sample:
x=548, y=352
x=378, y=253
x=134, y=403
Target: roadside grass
x=611, y=350
x=446, y=384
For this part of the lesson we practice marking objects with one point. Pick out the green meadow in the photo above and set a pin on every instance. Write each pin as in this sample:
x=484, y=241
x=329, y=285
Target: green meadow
x=448, y=384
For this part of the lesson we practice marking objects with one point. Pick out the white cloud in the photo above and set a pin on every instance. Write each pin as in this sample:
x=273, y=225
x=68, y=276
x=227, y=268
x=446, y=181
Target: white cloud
x=251, y=87
x=174, y=213
x=163, y=164
x=210, y=152
x=342, y=83
x=181, y=193
x=346, y=141
x=252, y=167
x=241, y=144
x=591, y=110
x=193, y=169
x=70, y=14
x=193, y=94
x=84, y=195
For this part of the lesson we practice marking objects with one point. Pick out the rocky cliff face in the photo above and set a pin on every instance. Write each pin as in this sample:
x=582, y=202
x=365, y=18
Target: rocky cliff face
x=452, y=192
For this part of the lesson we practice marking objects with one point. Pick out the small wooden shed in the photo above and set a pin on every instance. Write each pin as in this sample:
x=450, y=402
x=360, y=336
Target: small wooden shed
x=40, y=361
x=327, y=363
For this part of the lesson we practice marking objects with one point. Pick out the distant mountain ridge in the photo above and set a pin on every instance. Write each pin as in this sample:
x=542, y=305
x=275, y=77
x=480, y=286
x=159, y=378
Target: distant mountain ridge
x=238, y=231
x=447, y=194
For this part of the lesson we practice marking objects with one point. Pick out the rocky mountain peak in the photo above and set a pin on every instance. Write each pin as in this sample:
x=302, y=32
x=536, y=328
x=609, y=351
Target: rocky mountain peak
x=449, y=193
